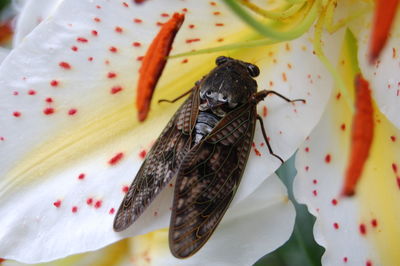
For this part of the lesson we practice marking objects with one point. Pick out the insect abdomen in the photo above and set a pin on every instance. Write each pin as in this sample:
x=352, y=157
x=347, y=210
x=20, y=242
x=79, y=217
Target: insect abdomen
x=205, y=124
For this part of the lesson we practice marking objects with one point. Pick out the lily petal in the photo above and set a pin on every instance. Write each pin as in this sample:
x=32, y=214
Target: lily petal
x=251, y=228
x=69, y=136
x=363, y=229
x=383, y=75
x=31, y=14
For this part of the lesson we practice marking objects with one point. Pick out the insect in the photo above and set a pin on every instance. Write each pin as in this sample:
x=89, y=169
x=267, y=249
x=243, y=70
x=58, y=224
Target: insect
x=205, y=146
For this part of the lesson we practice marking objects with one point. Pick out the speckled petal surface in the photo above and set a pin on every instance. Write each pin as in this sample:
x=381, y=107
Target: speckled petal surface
x=69, y=138
x=256, y=226
x=363, y=229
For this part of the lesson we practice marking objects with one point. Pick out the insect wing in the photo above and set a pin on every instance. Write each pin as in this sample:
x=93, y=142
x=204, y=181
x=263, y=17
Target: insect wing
x=161, y=163
x=208, y=179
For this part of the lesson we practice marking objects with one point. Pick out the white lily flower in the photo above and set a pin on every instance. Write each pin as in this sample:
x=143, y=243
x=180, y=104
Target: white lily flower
x=71, y=144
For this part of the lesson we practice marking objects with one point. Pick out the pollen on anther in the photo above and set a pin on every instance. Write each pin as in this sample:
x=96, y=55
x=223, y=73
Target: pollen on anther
x=57, y=203
x=64, y=65
x=74, y=209
x=116, y=159
x=81, y=176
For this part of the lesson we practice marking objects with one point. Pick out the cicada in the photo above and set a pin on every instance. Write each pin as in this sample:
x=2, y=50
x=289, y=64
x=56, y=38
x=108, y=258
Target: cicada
x=206, y=146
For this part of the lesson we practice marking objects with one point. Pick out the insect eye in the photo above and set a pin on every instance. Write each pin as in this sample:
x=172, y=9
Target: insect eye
x=208, y=93
x=221, y=59
x=253, y=70
x=224, y=98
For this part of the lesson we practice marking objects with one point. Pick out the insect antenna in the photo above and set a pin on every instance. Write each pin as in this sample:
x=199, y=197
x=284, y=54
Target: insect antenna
x=177, y=98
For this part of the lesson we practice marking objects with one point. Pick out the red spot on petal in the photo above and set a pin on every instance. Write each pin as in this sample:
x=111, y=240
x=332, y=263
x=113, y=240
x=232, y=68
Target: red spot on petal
x=17, y=114
x=216, y=13
x=139, y=58
x=343, y=126
x=65, y=65
x=192, y=40
x=74, y=48
x=2, y=260
x=112, y=210
x=31, y=92
x=113, y=49
x=95, y=33
x=265, y=111
x=393, y=138
x=336, y=226
x=81, y=40
x=398, y=182
x=315, y=181
x=118, y=29
x=345, y=259
x=54, y=83
x=307, y=168
x=191, y=26
x=213, y=3
x=184, y=61
x=334, y=202
x=363, y=229
x=90, y=59
x=81, y=176
x=49, y=100
x=368, y=263
x=394, y=167
x=57, y=203
x=184, y=10
x=258, y=153
x=125, y=4
x=116, y=89
x=48, y=111
x=338, y=96
x=165, y=15
x=315, y=193
x=111, y=75
x=116, y=159
x=74, y=209
x=137, y=20
x=89, y=201
x=142, y=154
x=374, y=223
x=125, y=189
x=72, y=111
x=136, y=44
x=98, y=204
x=328, y=158
x=97, y=19
x=307, y=149
x=219, y=24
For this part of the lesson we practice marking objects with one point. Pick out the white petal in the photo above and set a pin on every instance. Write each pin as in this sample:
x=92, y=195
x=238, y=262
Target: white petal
x=256, y=226
x=31, y=14
x=384, y=76
x=362, y=230
x=44, y=151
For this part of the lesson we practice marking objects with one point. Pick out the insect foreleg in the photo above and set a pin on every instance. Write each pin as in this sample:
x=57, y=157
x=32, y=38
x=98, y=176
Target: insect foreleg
x=177, y=98
x=266, y=139
x=259, y=96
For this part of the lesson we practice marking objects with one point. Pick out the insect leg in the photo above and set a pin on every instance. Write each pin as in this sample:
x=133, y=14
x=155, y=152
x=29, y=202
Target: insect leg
x=266, y=139
x=176, y=99
x=264, y=93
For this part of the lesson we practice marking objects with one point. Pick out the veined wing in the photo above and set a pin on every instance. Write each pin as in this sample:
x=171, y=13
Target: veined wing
x=161, y=163
x=208, y=179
